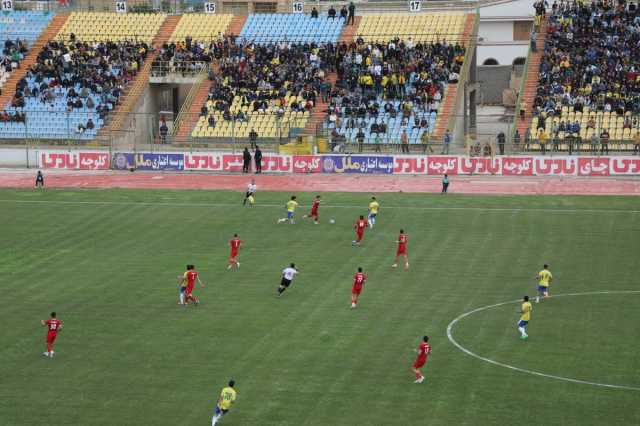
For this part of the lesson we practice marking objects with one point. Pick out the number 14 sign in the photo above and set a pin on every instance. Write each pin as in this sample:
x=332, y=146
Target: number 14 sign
x=121, y=6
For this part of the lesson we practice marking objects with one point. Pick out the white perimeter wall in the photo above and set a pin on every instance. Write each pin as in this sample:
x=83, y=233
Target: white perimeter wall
x=503, y=53
x=18, y=157
x=496, y=31
x=491, y=31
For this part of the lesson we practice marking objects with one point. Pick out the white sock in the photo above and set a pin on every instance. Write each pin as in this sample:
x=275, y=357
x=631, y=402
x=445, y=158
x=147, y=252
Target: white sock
x=182, y=298
x=537, y=299
x=214, y=420
x=522, y=332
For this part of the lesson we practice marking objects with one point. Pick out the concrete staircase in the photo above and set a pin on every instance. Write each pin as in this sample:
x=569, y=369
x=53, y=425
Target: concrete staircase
x=136, y=88
x=349, y=32
x=187, y=121
x=49, y=33
x=450, y=95
x=531, y=84
x=236, y=25
x=319, y=112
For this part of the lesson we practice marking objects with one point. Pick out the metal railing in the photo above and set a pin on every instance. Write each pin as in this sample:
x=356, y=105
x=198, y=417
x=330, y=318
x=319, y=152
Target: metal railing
x=181, y=68
x=183, y=115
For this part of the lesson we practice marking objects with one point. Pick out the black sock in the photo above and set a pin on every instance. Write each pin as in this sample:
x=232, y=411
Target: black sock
x=280, y=290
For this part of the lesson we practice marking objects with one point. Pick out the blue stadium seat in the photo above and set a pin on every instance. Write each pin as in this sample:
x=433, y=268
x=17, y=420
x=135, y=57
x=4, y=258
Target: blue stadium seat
x=275, y=27
x=51, y=120
x=23, y=25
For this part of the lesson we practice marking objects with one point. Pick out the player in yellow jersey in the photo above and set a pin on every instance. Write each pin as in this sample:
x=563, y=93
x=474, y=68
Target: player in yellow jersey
x=525, y=317
x=544, y=280
x=373, y=211
x=227, y=397
x=291, y=210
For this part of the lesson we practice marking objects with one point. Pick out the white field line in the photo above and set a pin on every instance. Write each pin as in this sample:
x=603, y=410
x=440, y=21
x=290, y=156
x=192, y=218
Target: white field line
x=524, y=370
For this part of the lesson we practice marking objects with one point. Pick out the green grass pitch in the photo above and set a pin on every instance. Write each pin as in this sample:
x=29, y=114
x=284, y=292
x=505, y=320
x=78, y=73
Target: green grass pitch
x=107, y=262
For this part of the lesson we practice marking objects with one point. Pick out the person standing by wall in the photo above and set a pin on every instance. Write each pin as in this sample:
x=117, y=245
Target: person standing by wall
x=445, y=184
x=446, y=142
x=604, y=142
x=246, y=160
x=164, y=131
x=404, y=142
x=516, y=140
x=501, y=141
x=542, y=140
x=360, y=139
x=352, y=14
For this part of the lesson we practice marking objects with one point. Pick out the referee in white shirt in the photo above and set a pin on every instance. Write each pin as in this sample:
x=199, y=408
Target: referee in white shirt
x=287, y=276
x=251, y=190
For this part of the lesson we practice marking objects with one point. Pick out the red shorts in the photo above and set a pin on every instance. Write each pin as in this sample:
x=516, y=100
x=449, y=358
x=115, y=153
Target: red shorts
x=189, y=289
x=51, y=336
x=356, y=289
x=419, y=362
x=314, y=213
x=233, y=255
x=360, y=234
x=401, y=250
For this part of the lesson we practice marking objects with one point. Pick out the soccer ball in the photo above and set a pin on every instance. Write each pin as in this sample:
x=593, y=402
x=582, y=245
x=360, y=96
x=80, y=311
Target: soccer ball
x=332, y=221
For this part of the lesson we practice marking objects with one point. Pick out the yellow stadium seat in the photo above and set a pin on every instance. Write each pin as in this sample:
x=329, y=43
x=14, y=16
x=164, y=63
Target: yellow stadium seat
x=111, y=26
x=201, y=26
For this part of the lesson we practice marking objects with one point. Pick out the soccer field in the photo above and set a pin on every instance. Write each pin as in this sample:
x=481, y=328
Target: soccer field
x=107, y=262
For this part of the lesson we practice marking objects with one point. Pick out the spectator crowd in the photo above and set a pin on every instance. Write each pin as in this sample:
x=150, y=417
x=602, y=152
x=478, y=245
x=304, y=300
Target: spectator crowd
x=84, y=76
x=265, y=78
x=591, y=59
x=395, y=79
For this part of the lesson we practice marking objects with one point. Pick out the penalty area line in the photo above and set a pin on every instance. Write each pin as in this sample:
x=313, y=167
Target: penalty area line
x=532, y=372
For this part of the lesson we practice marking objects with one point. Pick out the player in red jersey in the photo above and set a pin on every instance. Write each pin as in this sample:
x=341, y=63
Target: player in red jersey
x=358, y=281
x=360, y=226
x=189, y=280
x=423, y=353
x=314, y=210
x=402, y=250
x=53, y=326
x=234, y=244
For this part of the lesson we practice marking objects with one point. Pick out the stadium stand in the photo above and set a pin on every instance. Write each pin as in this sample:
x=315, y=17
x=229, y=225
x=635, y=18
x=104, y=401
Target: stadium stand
x=396, y=76
x=188, y=116
x=201, y=27
x=190, y=47
x=13, y=51
x=296, y=28
x=113, y=27
x=12, y=122
x=79, y=75
x=18, y=31
x=23, y=25
x=588, y=82
x=72, y=87
x=424, y=27
x=265, y=88
x=166, y=28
